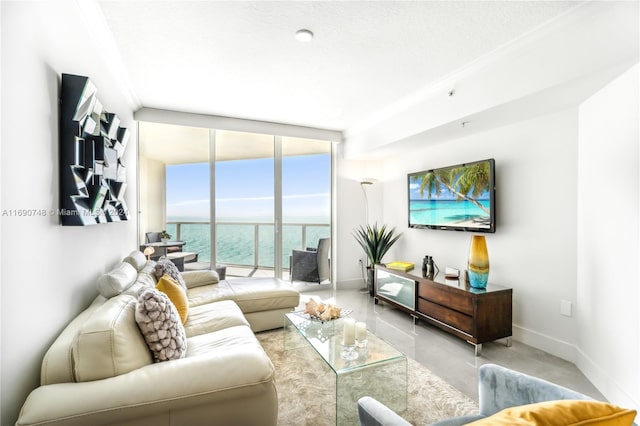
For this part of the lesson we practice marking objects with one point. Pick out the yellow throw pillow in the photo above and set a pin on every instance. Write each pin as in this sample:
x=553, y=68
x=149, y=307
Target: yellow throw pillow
x=177, y=295
x=561, y=413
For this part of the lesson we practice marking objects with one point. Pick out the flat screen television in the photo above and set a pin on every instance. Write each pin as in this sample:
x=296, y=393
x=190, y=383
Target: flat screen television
x=456, y=198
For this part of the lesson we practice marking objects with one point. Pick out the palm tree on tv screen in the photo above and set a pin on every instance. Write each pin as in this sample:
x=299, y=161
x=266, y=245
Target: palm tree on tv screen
x=465, y=182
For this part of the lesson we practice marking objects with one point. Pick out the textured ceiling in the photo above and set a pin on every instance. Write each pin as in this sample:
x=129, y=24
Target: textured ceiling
x=240, y=59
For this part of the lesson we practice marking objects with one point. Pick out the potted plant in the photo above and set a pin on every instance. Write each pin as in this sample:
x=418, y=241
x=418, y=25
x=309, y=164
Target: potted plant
x=165, y=236
x=376, y=242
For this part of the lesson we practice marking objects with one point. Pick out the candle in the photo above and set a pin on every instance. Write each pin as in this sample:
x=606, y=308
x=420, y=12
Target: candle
x=349, y=337
x=361, y=331
x=361, y=334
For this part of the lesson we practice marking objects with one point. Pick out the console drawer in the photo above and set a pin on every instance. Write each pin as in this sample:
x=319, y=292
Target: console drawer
x=459, y=302
x=448, y=316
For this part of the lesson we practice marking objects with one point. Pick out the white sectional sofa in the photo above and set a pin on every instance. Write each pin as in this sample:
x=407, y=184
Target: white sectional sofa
x=100, y=371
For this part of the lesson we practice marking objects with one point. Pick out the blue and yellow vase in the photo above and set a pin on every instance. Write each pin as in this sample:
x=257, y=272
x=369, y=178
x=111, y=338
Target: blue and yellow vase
x=478, y=266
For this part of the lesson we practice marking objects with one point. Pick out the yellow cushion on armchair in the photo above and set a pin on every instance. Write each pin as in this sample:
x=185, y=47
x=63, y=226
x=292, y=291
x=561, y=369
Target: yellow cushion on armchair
x=561, y=413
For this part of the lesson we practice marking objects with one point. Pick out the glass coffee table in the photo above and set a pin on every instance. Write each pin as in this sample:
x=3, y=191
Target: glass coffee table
x=379, y=371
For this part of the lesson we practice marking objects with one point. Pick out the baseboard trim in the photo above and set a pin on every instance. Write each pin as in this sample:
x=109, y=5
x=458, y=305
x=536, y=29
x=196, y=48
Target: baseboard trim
x=605, y=383
x=556, y=347
x=350, y=284
x=597, y=375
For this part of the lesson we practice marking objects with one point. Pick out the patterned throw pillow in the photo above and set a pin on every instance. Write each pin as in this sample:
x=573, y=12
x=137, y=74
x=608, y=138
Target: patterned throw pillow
x=166, y=266
x=160, y=324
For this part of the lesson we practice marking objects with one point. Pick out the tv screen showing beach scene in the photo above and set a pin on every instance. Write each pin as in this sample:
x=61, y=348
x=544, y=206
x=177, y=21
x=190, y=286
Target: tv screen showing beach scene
x=458, y=198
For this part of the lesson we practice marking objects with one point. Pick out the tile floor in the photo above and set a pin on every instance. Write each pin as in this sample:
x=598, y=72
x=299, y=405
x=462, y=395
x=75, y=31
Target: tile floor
x=445, y=355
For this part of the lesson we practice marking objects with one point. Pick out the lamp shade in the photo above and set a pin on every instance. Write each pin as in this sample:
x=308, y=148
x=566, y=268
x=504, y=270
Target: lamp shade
x=148, y=251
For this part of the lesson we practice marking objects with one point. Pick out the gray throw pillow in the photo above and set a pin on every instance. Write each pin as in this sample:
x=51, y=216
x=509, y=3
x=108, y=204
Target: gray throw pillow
x=160, y=324
x=166, y=266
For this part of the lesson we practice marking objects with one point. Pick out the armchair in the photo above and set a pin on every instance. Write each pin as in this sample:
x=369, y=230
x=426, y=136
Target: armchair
x=312, y=264
x=498, y=388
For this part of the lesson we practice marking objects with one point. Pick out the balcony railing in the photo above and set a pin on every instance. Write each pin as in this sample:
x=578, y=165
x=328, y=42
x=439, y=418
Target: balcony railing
x=247, y=244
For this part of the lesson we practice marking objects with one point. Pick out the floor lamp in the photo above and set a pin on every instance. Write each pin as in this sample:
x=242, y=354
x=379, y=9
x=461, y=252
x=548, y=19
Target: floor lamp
x=363, y=184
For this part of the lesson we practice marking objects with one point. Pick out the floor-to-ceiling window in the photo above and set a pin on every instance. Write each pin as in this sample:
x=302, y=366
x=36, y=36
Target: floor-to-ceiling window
x=188, y=208
x=175, y=185
x=245, y=202
x=306, y=194
x=266, y=195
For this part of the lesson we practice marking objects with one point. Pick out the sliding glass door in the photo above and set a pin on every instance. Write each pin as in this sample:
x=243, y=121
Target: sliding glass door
x=240, y=199
x=188, y=209
x=174, y=187
x=306, y=195
x=244, y=202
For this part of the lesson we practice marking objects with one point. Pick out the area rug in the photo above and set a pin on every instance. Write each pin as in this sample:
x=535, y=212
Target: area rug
x=306, y=389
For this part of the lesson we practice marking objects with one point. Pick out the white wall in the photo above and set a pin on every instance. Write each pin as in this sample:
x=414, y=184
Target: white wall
x=547, y=246
x=608, y=240
x=554, y=241
x=48, y=271
x=152, y=194
x=534, y=247
x=350, y=212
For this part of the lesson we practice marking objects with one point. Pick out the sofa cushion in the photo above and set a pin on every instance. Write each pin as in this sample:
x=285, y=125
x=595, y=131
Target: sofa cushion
x=238, y=354
x=136, y=259
x=160, y=324
x=228, y=340
x=251, y=294
x=109, y=342
x=146, y=278
x=210, y=293
x=147, y=275
x=263, y=294
x=177, y=295
x=57, y=365
x=166, y=266
x=116, y=280
x=199, y=278
x=561, y=413
x=213, y=317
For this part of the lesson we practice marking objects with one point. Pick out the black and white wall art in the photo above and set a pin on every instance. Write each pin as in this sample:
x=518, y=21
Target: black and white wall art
x=92, y=145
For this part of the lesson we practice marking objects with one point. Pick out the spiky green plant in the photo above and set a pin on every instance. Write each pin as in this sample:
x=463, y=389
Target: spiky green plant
x=375, y=241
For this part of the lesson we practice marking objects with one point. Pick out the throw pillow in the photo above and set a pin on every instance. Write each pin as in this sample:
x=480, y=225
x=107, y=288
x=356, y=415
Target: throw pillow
x=136, y=259
x=195, y=279
x=160, y=325
x=561, y=413
x=166, y=266
x=117, y=280
x=177, y=295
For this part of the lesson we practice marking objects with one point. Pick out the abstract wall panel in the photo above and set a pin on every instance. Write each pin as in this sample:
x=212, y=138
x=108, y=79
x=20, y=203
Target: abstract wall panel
x=92, y=145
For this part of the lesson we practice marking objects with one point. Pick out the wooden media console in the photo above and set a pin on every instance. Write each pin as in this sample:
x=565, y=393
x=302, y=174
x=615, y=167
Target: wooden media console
x=475, y=315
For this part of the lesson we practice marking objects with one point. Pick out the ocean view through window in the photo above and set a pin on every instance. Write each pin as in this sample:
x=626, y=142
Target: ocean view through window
x=240, y=199
x=244, y=197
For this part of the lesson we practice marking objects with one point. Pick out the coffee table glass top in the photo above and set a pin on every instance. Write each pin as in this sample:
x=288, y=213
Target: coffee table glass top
x=326, y=339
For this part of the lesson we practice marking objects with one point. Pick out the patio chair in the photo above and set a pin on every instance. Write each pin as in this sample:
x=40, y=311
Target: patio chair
x=174, y=253
x=312, y=265
x=154, y=237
